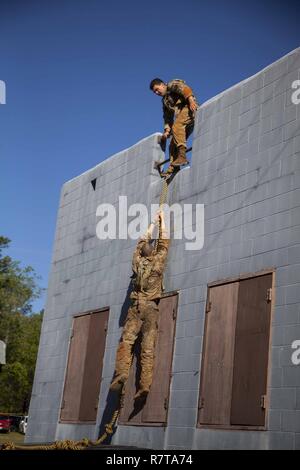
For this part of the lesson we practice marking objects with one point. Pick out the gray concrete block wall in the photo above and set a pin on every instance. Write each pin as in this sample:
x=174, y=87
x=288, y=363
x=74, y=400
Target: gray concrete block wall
x=86, y=274
x=245, y=170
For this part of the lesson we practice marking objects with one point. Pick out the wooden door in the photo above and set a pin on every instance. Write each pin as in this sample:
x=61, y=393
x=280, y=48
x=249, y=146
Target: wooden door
x=84, y=369
x=251, y=352
x=218, y=352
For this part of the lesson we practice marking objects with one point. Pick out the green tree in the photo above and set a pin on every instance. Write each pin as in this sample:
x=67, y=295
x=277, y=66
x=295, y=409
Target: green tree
x=20, y=329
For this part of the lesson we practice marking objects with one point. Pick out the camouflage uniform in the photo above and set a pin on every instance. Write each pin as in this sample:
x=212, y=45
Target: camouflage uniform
x=178, y=117
x=142, y=314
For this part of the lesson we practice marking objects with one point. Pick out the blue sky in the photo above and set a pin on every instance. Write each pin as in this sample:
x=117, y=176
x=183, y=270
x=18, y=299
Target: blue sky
x=77, y=74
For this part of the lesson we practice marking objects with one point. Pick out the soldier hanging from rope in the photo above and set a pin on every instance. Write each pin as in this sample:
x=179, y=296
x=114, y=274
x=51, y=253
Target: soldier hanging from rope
x=148, y=266
x=179, y=107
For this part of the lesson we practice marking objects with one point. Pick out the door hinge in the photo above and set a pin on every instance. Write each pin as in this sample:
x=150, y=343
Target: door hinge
x=201, y=403
x=166, y=403
x=263, y=402
x=63, y=404
x=269, y=295
x=96, y=403
x=72, y=334
x=174, y=313
x=208, y=306
x=105, y=326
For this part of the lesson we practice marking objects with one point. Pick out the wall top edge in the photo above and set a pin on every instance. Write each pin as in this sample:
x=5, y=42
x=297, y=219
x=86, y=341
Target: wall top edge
x=112, y=157
x=203, y=105
x=248, y=79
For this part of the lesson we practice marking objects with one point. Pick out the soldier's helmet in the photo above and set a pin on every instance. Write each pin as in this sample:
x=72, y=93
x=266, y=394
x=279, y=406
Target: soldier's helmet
x=147, y=249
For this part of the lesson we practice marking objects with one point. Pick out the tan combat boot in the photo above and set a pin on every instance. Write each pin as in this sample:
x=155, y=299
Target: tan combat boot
x=181, y=157
x=118, y=383
x=141, y=394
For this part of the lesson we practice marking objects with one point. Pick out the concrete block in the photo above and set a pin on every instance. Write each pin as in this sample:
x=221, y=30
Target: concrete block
x=185, y=381
x=294, y=60
x=278, y=221
x=274, y=420
x=283, y=398
x=186, y=364
x=232, y=96
x=184, y=399
x=276, y=378
x=278, y=336
x=194, y=328
x=182, y=417
x=261, y=95
x=270, y=139
x=275, y=71
x=184, y=436
x=281, y=440
x=291, y=376
x=290, y=420
x=250, y=117
x=298, y=398
x=293, y=295
x=291, y=129
x=280, y=118
x=252, y=85
x=287, y=314
x=237, y=138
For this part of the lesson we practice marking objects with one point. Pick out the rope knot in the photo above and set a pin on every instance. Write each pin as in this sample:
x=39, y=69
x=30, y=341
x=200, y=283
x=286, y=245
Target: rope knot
x=109, y=428
x=8, y=446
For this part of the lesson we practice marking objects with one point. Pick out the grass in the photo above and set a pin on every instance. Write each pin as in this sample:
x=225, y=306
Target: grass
x=15, y=437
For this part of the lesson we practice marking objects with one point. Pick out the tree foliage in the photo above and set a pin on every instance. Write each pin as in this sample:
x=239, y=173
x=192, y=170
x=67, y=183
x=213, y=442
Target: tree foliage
x=19, y=329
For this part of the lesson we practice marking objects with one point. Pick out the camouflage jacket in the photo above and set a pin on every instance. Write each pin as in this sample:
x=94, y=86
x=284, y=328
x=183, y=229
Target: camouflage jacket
x=175, y=100
x=148, y=271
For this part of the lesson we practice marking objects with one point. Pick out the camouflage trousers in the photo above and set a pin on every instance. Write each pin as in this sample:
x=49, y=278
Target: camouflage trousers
x=142, y=317
x=181, y=130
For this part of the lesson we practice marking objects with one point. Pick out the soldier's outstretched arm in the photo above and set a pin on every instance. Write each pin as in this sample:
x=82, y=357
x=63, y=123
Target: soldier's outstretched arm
x=163, y=233
x=163, y=243
x=168, y=122
x=142, y=241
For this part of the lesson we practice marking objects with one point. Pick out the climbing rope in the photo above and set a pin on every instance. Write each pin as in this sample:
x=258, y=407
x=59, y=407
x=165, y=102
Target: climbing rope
x=69, y=444
x=162, y=201
x=164, y=193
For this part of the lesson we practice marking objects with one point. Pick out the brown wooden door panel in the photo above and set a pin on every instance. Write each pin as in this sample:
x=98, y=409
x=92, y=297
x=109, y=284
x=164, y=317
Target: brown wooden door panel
x=75, y=369
x=217, y=364
x=84, y=370
x=251, y=351
x=93, y=366
x=155, y=408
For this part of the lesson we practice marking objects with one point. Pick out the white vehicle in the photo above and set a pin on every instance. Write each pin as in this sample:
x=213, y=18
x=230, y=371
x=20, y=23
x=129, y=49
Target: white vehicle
x=23, y=425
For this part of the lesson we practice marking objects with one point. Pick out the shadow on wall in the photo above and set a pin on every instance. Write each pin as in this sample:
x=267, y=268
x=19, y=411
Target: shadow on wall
x=125, y=306
x=112, y=399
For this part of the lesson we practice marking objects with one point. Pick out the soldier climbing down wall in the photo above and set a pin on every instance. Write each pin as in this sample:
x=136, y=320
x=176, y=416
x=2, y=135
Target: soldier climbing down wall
x=148, y=266
x=179, y=107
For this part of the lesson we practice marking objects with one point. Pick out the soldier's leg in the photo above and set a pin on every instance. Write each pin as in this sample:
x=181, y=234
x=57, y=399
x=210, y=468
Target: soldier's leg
x=124, y=353
x=149, y=332
x=182, y=128
x=172, y=155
